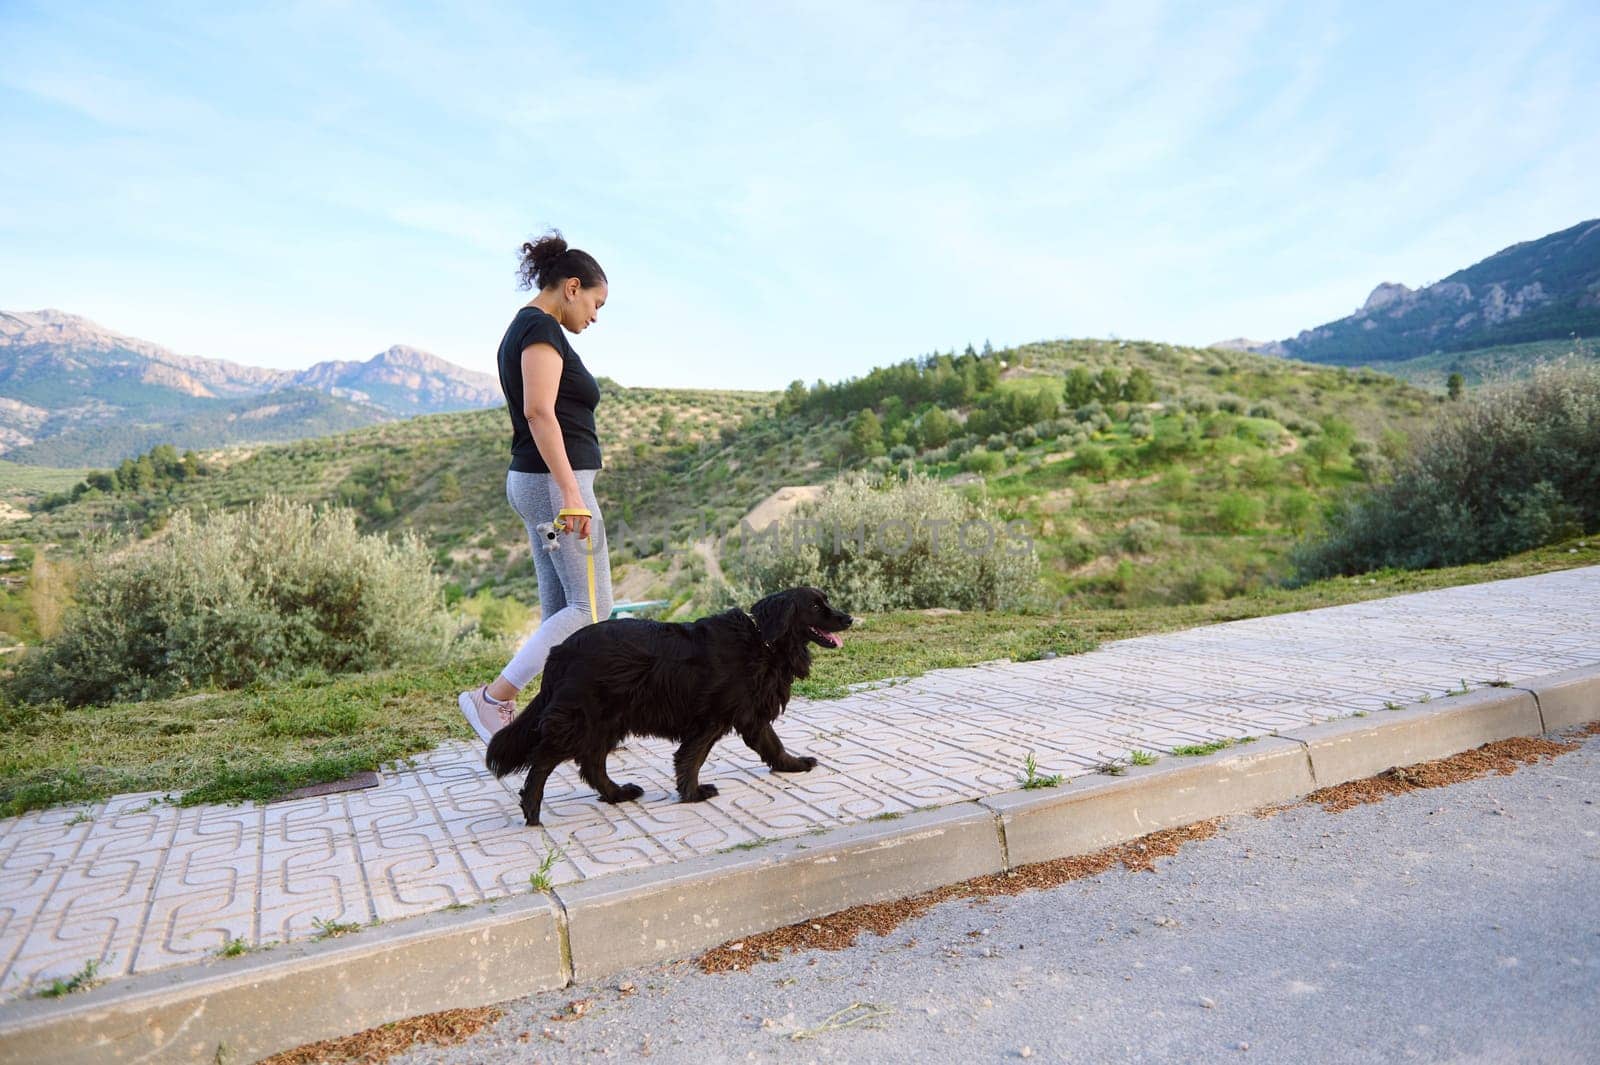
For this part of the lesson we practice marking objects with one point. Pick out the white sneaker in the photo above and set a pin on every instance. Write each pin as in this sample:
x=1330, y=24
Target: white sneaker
x=484, y=714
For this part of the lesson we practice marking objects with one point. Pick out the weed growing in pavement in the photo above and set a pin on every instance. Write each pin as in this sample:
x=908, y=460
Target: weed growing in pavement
x=1194, y=750
x=1138, y=757
x=750, y=845
x=1035, y=779
x=540, y=881
x=233, y=947
x=1391, y=706
x=81, y=980
x=1115, y=767
x=333, y=929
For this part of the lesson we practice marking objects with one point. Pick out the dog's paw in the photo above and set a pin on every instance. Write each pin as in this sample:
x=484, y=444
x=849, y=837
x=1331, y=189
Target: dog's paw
x=800, y=764
x=625, y=793
x=704, y=792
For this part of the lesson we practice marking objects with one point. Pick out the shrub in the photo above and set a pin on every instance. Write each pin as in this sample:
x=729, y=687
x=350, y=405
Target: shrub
x=229, y=599
x=982, y=461
x=1508, y=470
x=498, y=617
x=1237, y=512
x=1204, y=584
x=958, y=447
x=1093, y=460
x=1142, y=536
x=893, y=545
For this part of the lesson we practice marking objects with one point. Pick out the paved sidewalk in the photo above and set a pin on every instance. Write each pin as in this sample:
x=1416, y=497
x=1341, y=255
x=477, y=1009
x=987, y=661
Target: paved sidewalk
x=139, y=885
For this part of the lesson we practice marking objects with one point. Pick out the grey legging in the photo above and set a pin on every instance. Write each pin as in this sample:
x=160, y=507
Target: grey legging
x=563, y=574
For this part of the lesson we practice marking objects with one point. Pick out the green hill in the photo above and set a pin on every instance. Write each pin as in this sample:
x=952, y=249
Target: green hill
x=1489, y=365
x=1151, y=473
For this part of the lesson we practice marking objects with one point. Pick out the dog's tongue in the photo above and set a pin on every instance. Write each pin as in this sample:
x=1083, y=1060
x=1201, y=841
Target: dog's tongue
x=832, y=638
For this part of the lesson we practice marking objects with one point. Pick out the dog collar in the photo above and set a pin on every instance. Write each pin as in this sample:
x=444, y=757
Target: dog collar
x=757, y=626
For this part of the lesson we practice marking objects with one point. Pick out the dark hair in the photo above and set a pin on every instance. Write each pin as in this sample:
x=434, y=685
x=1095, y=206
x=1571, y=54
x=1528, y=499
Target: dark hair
x=549, y=261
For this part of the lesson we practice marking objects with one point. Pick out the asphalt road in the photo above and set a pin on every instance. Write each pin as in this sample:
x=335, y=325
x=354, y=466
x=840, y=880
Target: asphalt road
x=1459, y=924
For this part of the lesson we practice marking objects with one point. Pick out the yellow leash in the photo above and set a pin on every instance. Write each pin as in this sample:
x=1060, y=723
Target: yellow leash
x=566, y=526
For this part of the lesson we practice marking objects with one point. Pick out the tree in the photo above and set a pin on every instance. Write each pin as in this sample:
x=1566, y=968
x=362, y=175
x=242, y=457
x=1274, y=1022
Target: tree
x=794, y=398
x=1140, y=386
x=866, y=434
x=1455, y=385
x=1109, y=386
x=1079, y=387
x=935, y=428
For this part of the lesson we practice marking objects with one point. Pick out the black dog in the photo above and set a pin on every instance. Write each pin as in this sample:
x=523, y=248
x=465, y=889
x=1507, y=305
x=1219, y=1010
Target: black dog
x=693, y=683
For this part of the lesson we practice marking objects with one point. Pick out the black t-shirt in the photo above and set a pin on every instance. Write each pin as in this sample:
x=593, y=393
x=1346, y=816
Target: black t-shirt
x=577, y=395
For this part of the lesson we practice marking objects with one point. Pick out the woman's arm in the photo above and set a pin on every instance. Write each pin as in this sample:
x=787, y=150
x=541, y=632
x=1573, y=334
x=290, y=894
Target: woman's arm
x=541, y=377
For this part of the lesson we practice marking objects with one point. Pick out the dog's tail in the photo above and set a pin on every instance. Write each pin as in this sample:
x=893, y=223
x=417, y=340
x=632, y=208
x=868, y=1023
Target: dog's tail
x=513, y=747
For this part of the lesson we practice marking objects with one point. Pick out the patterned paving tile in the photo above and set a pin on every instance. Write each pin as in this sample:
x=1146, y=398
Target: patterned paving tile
x=139, y=885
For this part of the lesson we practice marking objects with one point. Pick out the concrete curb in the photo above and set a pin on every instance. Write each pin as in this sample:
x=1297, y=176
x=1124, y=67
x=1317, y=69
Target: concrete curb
x=633, y=919
x=1356, y=747
x=264, y=1003
x=1091, y=812
x=259, y=1004
x=1567, y=699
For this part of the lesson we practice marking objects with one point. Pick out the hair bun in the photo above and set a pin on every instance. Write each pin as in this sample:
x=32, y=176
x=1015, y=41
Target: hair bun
x=548, y=249
x=543, y=263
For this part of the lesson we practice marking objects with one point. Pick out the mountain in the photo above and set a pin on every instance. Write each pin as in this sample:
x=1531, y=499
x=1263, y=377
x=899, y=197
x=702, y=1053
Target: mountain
x=1539, y=290
x=404, y=381
x=74, y=393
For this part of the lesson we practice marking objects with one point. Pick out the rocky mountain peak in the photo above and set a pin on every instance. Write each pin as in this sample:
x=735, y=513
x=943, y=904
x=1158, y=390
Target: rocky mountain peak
x=1386, y=293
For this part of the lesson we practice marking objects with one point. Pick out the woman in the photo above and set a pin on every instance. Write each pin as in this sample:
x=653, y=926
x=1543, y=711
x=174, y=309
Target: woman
x=555, y=454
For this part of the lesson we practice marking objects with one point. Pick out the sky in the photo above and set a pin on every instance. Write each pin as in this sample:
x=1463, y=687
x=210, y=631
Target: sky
x=775, y=190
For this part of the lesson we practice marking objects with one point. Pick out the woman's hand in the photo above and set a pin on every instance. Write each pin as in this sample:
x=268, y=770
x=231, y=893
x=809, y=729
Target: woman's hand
x=576, y=523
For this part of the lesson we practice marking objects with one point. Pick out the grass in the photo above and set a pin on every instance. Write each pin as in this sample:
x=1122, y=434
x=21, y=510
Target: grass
x=333, y=929
x=540, y=881
x=233, y=948
x=259, y=743
x=1114, y=767
x=81, y=980
x=1032, y=779
x=25, y=483
x=1195, y=750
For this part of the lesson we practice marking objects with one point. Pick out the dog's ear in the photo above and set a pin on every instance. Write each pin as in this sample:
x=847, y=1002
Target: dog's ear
x=774, y=615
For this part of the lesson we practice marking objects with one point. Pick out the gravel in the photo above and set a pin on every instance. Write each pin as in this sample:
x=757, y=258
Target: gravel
x=1444, y=924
